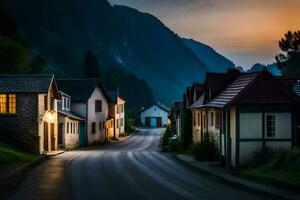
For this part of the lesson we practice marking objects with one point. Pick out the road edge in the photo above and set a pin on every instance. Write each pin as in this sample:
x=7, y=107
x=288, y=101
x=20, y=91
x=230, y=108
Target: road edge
x=236, y=184
x=19, y=174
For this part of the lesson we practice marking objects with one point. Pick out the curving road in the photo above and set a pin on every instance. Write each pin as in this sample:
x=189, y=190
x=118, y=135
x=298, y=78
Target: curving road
x=133, y=169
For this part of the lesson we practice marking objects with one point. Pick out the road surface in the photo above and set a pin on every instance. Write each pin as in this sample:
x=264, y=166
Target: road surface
x=133, y=169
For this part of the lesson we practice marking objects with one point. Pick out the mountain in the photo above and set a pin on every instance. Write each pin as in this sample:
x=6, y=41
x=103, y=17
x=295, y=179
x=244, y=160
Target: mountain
x=272, y=68
x=64, y=30
x=212, y=59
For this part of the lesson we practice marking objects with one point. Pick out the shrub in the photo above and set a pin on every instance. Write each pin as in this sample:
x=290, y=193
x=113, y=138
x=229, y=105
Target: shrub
x=206, y=150
x=169, y=132
x=175, y=145
x=262, y=157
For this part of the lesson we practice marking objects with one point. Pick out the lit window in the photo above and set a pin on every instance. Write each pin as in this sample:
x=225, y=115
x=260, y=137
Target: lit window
x=270, y=125
x=12, y=104
x=3, y=105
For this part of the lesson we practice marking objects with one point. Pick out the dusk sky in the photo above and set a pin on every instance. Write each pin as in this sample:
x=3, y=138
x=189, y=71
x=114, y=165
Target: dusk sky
x=245, y=31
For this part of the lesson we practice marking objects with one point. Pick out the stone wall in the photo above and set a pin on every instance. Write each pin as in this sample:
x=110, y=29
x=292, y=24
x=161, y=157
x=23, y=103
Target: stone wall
x=22, y=127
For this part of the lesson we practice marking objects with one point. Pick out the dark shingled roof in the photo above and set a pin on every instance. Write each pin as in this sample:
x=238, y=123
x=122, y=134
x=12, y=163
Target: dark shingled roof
x=178, y=105
x=292, y=83
x=232, y=91
x=113, y=94
x=81, y=89
x=25, y=83
x=71, y=115
x=199, y=103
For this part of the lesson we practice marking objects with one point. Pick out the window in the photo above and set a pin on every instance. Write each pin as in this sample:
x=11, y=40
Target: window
x=52, y=102
x=98, y=106
x=122, y=121
x=46, y=102
x=8, y=103
x=68, y=104
x=211, y=119
x=204, y=121
x=12, y=103
x=218, y=120
x=93, y=127
x=271, y=125
x=100, y=126
x=71, y=127
x=3, y=105
x=198, y=119
x=67, y=127
x=194, y=119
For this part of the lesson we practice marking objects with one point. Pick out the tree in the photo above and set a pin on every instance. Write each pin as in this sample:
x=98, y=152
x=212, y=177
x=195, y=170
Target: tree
x=290, y=61
x=91, y=65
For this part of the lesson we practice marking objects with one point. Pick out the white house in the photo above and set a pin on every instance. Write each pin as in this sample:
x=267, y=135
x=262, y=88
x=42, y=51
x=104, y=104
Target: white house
x=155, y=115
x=68, y=124
x=253, y=112
x=89, y=101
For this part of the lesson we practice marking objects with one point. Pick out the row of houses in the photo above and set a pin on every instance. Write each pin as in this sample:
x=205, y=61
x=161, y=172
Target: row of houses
x=42, y=114
x=244, y=113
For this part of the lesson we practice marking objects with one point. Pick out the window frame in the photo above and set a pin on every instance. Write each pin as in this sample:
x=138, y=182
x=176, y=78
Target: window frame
x=98, y=106
x=8, y=104
x=273, y=125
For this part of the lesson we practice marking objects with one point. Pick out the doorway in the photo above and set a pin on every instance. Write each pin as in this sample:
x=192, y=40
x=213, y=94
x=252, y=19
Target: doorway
x=46, y=136
x=52, y=136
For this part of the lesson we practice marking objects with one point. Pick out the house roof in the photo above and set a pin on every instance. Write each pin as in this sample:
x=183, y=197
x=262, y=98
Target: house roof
x=217, y=82
x=27, y=84
x=292, y=83
x=199, y=103
x=160, y=105
x=232, y=91
x=259, y=87
x=81, y=89
x=178, y=105
x=71, y=115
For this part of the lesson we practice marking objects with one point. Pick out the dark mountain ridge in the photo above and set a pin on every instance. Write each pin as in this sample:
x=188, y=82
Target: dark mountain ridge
x=64, y=30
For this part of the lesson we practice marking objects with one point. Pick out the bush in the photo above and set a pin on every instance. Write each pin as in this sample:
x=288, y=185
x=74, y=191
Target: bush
x=206, y=150
x=175, y=145
x=169, y=132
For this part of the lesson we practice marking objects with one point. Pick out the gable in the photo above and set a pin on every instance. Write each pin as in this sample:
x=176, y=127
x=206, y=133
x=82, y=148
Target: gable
x=264, y=90
x=154, y=108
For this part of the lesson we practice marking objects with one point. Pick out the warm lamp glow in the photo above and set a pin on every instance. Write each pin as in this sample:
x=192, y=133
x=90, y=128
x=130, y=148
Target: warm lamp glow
x=50, y=117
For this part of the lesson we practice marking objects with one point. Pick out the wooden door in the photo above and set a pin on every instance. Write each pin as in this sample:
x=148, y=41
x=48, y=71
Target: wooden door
x=147, y=122
x=60, y=134
x=159, y=122
x=46, y=135
x=52, y=136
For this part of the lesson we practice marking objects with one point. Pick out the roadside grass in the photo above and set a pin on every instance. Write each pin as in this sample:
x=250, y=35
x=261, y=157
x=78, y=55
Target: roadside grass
x=282, y=169
x=11, y=155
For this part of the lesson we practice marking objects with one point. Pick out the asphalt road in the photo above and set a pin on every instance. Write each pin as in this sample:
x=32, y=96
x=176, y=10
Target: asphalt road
x=133, y=169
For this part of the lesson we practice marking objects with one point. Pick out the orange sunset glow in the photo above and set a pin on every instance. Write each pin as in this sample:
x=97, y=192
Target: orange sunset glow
x=246, y=32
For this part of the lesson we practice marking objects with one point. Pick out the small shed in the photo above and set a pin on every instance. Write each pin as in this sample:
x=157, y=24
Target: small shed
x=155, y=115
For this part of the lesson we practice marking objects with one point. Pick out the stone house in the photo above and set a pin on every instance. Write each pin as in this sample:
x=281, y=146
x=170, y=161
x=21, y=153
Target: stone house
x=89, y=101
x=28, y=111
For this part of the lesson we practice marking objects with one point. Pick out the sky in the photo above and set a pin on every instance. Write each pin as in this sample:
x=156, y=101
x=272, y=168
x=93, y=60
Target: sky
x=245, y=31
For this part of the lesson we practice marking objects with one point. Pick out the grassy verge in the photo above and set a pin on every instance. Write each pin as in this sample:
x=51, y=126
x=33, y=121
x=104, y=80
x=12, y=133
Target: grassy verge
x=281, y=169
x=12, y=155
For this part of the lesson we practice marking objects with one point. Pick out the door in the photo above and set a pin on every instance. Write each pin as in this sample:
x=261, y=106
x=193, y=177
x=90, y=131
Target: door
x=46, y=135
x=82, y=135
x=60, y=134
x=52, y=136
x=153, y=122
x=159, y=122
x=147, y=122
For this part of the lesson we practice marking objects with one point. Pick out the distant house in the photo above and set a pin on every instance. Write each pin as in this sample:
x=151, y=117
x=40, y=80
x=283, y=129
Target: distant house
x=177, y=108
x=246, y=113
x=89, y=101
x=117, y=111
x=68, y=124
x=155, y=115
x=28, y=111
